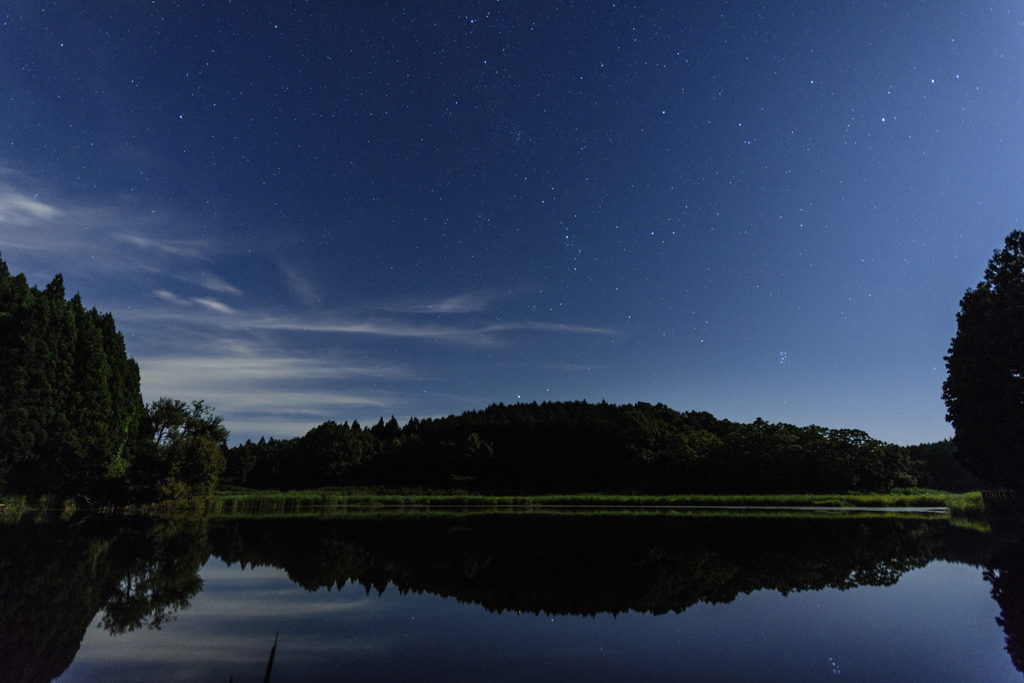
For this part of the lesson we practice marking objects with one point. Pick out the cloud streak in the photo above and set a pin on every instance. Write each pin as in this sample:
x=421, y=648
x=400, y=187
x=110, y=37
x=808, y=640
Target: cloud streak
x=19, y=209
x=214, y=284
x=198, y=336
x=251, y=365
x=469, y=302
x=388, y=328
x=256, y=389
x=113, y=237
x=214, y=305
x=299, y=286
x=195, y=249
x=211, y=304
x=342, y=323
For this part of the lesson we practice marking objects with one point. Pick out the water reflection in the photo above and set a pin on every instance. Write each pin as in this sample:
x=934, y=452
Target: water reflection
x=584, y=566
x=141, y=573
x=1006, y=574
x=54, y=578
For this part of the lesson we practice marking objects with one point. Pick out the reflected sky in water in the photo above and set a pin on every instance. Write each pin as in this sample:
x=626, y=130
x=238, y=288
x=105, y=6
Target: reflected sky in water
x=938, y=623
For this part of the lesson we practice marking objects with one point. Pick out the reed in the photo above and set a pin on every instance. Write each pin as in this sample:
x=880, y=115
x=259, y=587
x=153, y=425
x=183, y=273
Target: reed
x=967, y=505
x=325, y=501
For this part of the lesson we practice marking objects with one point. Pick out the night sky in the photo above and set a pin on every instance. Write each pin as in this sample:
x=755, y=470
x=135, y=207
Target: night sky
x=302, y=211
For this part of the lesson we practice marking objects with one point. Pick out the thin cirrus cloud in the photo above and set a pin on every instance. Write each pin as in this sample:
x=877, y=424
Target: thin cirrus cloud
x=103, y=233
x=550, y=327
x=161, y=281
x=32, y=225
x=211, y=304
x=388, y=328
x=246, y=368
x=196, y=249
x=214, y=284
x=469, y=302
x=297, y=284
x=260, y=392
x=93, y=239
x=214, y=305
x=19, y=209
x=196, y=312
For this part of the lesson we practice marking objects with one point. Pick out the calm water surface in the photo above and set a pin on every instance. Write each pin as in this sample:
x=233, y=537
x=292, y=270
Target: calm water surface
x=503, y=598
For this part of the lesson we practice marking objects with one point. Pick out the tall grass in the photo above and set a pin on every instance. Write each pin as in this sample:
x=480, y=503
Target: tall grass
x=275, y=503
x=300, y=502
x=967, y=505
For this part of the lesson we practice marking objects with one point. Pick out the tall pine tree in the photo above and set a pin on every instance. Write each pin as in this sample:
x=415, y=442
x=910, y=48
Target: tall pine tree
x=70, y=401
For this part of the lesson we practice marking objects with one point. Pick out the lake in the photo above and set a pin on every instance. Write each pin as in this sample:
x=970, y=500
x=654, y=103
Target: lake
x=511, y=597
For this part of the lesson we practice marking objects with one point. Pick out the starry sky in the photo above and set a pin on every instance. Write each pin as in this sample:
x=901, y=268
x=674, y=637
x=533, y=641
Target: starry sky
x=301, y=211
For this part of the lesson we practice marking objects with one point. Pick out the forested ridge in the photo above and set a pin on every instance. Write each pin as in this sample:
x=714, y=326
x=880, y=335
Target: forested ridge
x=578, y=446
x=73, y=422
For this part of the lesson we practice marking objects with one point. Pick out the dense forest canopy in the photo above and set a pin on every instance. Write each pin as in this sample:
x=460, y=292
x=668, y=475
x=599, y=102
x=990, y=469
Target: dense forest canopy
x=70, y=404
x=578, y=446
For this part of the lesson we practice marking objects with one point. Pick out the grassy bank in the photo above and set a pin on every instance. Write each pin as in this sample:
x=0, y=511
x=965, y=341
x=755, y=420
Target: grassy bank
x=343, y=500
x=965, y=507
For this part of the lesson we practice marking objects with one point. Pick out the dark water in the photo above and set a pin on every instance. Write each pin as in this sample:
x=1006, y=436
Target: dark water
x=510, y=598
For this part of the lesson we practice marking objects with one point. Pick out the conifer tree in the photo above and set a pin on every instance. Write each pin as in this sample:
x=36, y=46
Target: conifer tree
x=70, y=401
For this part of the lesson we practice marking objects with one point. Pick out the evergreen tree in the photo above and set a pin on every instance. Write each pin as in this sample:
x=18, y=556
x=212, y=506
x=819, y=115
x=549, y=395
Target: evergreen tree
x=69, y=394
x=984, y=390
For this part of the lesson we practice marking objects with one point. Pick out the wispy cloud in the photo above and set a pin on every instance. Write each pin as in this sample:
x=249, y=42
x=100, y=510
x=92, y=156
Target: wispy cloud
x=468, y=302
x=576, y=368
x=298, y=284
x=171, y=297
x=548, y=327
x=215, y=305
x=197, y=249
x=267, y=369
x=249, y=365
x=95, y=240
x=214, y=284
x=467, y=334
x=211, y=304
x=260, y=392
x=343, y=323
x=19, y=209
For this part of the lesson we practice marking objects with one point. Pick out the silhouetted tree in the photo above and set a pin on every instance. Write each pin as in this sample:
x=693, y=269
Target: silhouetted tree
x=69, y=394
x=984, y=390
x=183, y=456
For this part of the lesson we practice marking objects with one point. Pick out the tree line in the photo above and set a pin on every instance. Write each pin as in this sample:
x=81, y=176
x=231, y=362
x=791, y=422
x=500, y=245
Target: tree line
x=73, y=423
x=72, y=419
x=577, y=446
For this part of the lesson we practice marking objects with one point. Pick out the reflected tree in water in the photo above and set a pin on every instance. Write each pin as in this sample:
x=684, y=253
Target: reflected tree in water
x=1007, y=578
x=584, y=566
x=160, y=576
x=141, y=572
x=55, y=579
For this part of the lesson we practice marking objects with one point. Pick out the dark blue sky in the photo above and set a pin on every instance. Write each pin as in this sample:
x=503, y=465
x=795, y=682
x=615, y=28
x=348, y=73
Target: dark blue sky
x=304, y=211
